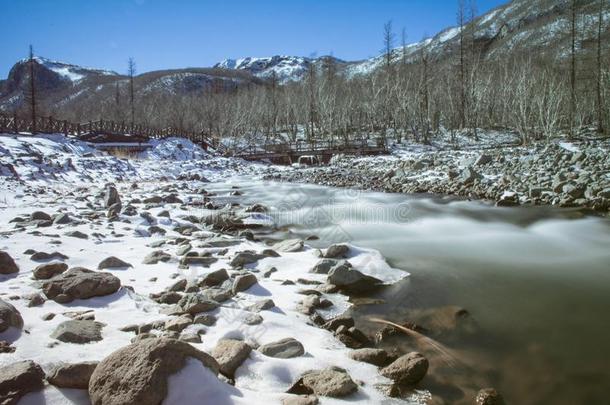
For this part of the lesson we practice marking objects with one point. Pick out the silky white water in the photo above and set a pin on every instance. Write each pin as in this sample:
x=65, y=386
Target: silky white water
x=536, y=280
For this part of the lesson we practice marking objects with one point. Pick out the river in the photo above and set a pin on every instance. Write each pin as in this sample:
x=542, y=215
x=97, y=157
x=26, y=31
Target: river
x=535, y=283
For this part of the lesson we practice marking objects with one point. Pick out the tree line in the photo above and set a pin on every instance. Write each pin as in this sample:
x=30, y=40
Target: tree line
x=417, y=98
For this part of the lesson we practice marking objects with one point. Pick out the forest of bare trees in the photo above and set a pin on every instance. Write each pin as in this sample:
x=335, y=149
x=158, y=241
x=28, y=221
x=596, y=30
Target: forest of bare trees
x=429, y=96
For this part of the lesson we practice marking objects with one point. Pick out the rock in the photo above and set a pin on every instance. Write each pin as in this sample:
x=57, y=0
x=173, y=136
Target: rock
x=62, y=219
x=483, y=160
x=78, y=331
x=40, y=216
x=214, y=278
x=113, y=262
x=300, y=400
x=605, y=193
x=289, y=245
x=283, y=349
x=193, y=303
x=9, y=317
x=5, y=347
x=243, y=258
x=489, y=396
x=19, y=379
x=48, y=270
x=184, y=249
x=469, y=176
x=35, y=300
x=230, y=353
x=178, y=324
x=7, y=264
x=43, y=256
x=156, y=257
x=336, y=251
x=341, y=320
x=508, y=200
x=331, y=382
x=253, y=319
x=351, y=280
x=407, y=369
x=80, y=283
x=262, y=305
x=323, y=266
x=205, y=319
x=575, y=190
x=75, y=375
x=77, y=234
x=138, y=373
x=190, y=338
x=377, y=357
x=243, y=282
x=111, y=197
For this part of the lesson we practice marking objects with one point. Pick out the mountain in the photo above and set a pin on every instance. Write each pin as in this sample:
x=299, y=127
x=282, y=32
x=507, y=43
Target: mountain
x=537, y=28
x=60, y=84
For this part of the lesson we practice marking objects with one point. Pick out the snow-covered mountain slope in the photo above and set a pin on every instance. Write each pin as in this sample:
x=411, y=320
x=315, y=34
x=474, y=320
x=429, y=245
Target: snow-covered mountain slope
x=284, y=68
x=534, y=27
x=71, y=72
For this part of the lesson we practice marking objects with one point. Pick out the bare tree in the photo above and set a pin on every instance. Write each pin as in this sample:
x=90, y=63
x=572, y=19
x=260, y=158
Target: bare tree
x=461, y=20
x=32, y=97
x=388, y=43
x=572, y=66
x=600, y=107
x=131, y=71
x=404, y=46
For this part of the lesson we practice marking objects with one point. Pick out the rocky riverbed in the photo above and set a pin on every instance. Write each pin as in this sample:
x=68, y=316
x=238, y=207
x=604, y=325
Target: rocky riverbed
x=115, y=291
x=564, y=174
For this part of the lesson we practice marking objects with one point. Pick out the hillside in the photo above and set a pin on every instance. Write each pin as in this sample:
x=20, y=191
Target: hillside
x=537, y=28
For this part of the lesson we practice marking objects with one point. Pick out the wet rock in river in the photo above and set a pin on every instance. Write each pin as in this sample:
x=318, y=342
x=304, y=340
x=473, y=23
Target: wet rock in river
x=350, y=280
x=489, y=396
x=332, y=382
x=377, y=357
x=408, y=369
x=336, y=251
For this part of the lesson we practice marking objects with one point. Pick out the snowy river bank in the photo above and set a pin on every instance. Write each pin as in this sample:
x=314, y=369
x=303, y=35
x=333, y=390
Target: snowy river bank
x=240, y=268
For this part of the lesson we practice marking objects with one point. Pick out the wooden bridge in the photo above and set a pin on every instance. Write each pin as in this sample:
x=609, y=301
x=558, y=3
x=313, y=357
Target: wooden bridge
x=287, y=153
x=103, y=131
x=108, y=134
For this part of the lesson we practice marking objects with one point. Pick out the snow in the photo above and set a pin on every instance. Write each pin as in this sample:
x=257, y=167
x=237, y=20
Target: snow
x=569, y=146
x=41, y=163
x=448, y=34
x=74, y=73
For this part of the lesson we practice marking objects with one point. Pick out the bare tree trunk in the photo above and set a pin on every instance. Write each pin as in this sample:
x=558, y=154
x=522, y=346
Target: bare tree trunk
x=131, y=71
x=32, y=90
x=461, y=24
x=573, y=69
x=600, y=114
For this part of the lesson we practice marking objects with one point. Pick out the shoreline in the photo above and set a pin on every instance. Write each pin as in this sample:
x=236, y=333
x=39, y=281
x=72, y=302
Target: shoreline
x=557, y=174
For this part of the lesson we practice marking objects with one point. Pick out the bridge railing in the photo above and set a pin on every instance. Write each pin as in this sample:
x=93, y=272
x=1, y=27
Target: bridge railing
x=14, y=124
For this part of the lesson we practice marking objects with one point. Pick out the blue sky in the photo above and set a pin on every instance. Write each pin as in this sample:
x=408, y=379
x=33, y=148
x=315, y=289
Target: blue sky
x=162, y=34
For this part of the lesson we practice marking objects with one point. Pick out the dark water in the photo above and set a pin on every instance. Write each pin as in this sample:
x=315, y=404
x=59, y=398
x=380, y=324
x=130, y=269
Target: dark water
x=535, y=283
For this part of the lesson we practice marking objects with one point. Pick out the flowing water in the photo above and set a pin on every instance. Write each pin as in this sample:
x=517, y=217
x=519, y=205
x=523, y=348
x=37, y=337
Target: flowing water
x=535, y=283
